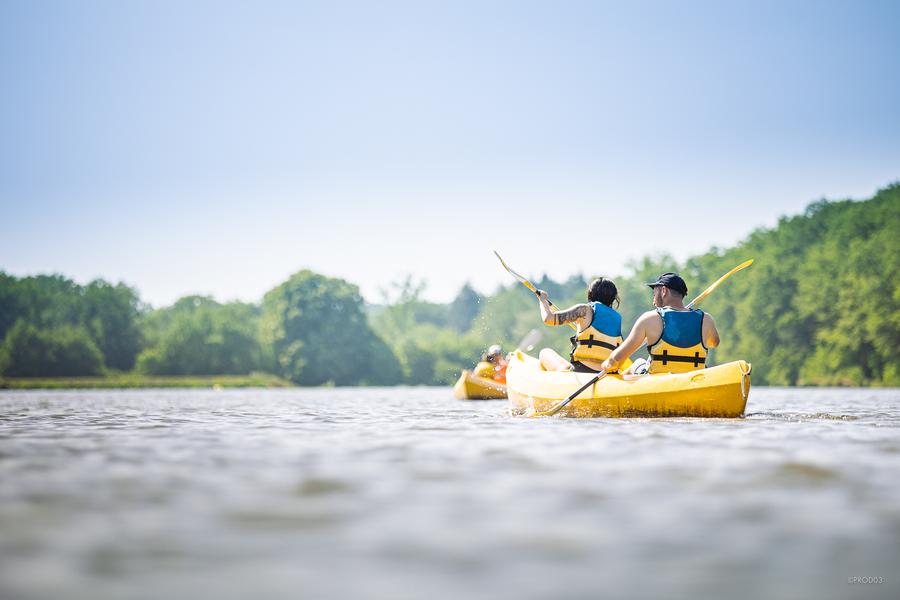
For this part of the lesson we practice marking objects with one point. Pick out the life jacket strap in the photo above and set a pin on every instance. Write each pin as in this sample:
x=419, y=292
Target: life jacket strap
x=665, y=358
x=590, y=342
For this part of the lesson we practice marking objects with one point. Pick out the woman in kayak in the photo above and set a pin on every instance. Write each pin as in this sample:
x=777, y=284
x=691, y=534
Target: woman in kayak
x=599, y=328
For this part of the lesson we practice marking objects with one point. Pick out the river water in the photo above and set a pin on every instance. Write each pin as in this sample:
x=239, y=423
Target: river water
x=406, y=493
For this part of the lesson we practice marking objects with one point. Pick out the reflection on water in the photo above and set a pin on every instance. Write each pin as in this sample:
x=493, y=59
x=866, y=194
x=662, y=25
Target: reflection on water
x=407, y=493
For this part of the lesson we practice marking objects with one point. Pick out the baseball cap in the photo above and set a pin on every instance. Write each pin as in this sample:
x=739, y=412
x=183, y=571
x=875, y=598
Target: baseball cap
x=672, y=281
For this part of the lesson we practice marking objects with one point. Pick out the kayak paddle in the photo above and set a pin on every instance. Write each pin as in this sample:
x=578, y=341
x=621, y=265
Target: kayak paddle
x=531, y=338
x=710, y=289
x=558, y=407
x=527, y=284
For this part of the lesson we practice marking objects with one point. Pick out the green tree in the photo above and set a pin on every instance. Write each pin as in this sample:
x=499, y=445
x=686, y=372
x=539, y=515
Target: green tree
x=111, y=314
x=199, y=336
x=10, y=310
x=61, y=351
x=47, y=300
x=316, y=332
x=464, y=308
x=821, y=304
x=108, y=313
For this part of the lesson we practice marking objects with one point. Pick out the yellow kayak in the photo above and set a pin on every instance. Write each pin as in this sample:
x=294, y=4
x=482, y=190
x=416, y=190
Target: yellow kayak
x=719, y=391
x=472, y=387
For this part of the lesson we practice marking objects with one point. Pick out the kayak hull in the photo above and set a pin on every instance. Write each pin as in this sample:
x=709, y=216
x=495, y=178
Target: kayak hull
x=471, y=387
x=719, y=391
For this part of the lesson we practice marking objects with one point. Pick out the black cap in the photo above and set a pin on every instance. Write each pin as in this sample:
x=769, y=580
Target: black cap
x=671, y=281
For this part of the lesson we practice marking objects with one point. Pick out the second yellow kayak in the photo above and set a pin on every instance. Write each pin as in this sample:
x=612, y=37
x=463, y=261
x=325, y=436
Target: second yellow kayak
x=472, y=387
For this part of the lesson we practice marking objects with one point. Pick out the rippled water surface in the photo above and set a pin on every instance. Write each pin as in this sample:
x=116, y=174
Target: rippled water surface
x=400, y=493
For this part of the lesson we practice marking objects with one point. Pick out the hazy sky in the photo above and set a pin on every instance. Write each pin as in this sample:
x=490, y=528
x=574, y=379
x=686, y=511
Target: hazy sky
x=218, y=147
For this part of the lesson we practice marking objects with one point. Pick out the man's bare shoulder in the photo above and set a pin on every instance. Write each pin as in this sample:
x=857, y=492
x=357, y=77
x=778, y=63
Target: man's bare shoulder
x=650, y=315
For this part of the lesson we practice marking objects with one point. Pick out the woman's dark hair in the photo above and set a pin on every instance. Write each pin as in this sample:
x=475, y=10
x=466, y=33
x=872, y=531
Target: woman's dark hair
x=603, y=290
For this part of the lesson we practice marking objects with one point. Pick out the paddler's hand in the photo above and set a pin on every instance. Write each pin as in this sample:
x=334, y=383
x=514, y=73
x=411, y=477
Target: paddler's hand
x=548, y=311
x=609, y=365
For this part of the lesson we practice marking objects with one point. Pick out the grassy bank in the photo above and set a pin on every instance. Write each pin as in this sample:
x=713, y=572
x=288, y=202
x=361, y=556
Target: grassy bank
x=135, y=380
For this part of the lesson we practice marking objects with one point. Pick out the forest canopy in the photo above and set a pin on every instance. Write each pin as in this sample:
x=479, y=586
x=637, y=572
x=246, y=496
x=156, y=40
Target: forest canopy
x=820, y=306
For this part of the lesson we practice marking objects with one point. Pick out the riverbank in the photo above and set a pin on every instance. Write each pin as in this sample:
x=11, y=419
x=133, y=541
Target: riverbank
x=136, y=380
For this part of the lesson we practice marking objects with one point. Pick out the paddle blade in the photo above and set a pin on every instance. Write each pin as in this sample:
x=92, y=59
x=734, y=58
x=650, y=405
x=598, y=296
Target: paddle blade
x=530, y=340
x=509, y=270
x=711, y=288
x=524, y=282
x=500, y=258
x=561, y=405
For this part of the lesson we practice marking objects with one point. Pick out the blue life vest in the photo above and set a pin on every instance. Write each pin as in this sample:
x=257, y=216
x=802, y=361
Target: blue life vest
x=602, y=336
x=680, y=348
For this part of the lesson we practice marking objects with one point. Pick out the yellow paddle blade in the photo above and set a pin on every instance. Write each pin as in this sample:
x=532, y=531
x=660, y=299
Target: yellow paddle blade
x=549, y=413
x=525, y=282
x=509, y=270
x=710, y=289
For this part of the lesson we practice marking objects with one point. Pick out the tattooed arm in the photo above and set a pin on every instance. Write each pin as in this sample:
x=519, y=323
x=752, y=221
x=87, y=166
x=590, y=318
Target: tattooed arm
x=581, y=314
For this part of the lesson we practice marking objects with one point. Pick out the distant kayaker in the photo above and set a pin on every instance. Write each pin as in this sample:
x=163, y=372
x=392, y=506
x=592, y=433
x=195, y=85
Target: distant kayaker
x=493, y=365
x=677, y=338
x=599, y=328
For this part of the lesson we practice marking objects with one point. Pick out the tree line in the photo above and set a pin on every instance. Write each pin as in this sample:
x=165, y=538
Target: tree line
x=820, y=306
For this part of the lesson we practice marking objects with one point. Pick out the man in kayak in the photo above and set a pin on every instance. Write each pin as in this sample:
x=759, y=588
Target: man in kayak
x=677, y=338
x=599, y=328
x=493, y=365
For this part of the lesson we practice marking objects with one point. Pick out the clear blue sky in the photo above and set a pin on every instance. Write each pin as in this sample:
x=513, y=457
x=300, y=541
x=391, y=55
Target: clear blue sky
x=217, y=147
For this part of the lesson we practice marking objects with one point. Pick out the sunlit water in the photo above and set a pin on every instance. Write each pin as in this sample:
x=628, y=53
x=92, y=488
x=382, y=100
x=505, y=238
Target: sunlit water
x=400, y=493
